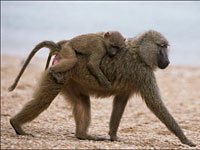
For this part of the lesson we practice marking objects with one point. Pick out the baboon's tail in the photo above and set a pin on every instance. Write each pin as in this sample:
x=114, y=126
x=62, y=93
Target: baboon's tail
x=59, y=46
x=48, y=61
x=48, y=44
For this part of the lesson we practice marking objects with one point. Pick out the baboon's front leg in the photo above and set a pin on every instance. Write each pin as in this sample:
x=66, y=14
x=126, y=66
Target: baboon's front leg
x=82, y=116
x=81, y=110
x=47, y=90
x=119, y=104
x=154, y=103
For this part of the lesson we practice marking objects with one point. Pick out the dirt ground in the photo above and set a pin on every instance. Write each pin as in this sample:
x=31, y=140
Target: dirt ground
x=139, y=128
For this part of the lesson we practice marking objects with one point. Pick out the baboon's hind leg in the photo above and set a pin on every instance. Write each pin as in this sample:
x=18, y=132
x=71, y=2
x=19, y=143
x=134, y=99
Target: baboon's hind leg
x=43, y=96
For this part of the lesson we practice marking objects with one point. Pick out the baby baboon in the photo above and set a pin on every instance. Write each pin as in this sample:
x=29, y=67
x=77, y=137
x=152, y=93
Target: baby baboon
x=130, y=72
x=94, y=45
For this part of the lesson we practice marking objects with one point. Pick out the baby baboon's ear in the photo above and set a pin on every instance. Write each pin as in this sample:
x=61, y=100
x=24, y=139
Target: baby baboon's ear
x=107, y=35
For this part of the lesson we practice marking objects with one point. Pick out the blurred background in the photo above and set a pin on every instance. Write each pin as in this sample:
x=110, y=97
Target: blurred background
x=25, y=24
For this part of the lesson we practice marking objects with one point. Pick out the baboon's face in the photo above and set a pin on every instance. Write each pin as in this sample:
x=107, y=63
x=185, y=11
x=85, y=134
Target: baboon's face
x=162, y=57
x=153, y=50
x=116, y=40
x=161, y=49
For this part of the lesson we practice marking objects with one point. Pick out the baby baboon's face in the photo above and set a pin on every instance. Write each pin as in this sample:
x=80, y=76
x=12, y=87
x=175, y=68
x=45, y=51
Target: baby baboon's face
x=117, y=40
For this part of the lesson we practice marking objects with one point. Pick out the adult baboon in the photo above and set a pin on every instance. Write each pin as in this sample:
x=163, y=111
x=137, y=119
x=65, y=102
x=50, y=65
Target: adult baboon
x=130, y=72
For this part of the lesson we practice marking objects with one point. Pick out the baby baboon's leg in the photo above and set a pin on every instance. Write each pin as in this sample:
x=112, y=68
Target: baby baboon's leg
x=63, y=66
x=65, y=63
x=47, y=90
x=93, y=66
x=119, y=105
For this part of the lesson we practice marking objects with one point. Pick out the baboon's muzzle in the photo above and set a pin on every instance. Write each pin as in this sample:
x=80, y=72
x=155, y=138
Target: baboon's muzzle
x=164, y=64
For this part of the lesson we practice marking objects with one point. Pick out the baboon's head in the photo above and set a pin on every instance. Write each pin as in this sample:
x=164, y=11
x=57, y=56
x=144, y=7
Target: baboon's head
x=115, y=38
x=153, y=49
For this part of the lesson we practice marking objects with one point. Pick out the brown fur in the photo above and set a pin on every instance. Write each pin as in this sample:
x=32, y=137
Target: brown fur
x=93, y=45
x=130, y=72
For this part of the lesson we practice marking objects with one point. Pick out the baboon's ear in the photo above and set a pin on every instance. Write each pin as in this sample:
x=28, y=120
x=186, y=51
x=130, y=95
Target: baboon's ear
x=107, y=34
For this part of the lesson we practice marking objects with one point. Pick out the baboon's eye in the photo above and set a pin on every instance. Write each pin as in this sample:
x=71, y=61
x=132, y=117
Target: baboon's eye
x=162, y=45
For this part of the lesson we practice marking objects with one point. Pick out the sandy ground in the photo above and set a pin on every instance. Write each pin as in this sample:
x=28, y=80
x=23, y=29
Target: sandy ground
x=139, y=128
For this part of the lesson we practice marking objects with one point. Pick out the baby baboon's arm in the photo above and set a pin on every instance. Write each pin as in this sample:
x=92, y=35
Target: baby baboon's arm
x=93, y=66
